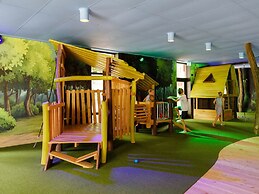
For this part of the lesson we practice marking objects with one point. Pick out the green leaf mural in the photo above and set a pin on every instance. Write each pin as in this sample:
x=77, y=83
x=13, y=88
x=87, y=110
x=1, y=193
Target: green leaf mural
x=25, y=67
x=12, y=54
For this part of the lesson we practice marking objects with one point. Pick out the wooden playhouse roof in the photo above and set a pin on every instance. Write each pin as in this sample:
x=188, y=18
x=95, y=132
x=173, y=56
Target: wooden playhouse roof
x=119, y=68
x=210, y=80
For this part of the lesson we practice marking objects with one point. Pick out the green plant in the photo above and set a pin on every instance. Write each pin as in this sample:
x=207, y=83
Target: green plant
x=18, y=111
x=35, y=110
x=39, y=106
x=7, y=122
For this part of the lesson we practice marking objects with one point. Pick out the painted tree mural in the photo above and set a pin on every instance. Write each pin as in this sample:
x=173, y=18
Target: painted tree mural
x=164, y=76
x=12, y=53
x=25, y=66
x=36, y=71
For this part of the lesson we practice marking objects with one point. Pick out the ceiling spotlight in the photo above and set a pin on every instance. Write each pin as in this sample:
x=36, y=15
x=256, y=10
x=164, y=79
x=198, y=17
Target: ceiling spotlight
x=208, y=46
x=84, y=14
x=241, y=55
x=170, y=36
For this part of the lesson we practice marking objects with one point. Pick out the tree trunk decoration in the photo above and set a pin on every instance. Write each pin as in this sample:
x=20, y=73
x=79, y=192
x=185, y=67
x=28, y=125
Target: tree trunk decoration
x=241, y=95
x=28, y=98
x=255, y=74
x=6, y=98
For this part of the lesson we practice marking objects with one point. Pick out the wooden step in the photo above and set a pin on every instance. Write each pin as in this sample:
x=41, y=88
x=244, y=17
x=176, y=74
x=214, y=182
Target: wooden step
x=86, y=156
x=71, y=159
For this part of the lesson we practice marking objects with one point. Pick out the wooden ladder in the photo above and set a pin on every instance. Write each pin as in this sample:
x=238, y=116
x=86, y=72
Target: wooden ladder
x=80, y=161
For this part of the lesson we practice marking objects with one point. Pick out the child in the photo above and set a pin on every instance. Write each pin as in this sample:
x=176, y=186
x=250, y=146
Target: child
x=184, y=108
x=150, y=97
x=219, y=102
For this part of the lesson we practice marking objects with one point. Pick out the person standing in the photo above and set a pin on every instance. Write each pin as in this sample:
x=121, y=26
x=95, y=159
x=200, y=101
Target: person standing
x=183, y=107
x=219, y=103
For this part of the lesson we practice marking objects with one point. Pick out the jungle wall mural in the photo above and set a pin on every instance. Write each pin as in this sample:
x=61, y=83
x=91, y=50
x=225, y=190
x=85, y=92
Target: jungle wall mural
x=161, y=70
x=26, y=74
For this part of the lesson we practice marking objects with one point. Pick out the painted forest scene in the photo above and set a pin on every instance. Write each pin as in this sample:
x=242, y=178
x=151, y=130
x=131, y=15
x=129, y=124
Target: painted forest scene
x=26, y=73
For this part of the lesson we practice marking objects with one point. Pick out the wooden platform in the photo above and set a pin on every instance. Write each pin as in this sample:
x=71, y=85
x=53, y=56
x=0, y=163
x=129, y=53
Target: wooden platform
x=80, y=134
x=235, y=171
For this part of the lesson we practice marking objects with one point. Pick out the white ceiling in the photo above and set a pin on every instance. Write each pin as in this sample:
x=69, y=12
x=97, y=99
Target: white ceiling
x=140, y=26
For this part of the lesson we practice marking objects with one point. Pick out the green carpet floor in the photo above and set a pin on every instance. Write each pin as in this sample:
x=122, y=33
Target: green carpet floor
x=167, y=163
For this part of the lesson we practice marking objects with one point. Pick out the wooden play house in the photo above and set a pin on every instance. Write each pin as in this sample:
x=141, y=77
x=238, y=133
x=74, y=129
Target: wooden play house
x=208, y=82
x=86, y=116
x=152, y=113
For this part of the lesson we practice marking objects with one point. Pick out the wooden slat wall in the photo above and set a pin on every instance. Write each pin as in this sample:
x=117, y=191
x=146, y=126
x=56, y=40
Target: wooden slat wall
x=83, y=106
x=204, y=114
x=114, y=110
x=121, y=94
x=55, y=119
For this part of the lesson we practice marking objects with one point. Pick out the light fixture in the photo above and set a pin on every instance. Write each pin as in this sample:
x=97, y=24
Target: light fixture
x=170, y=36
x=84, y=14
x=1, y=39
x=208, y=46
x=241, y=55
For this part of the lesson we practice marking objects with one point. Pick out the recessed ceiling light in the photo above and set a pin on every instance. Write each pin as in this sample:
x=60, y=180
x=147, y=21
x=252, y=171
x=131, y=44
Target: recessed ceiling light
x=84, y=14
x=208, y=46
x=170, y=36
x=241, y=55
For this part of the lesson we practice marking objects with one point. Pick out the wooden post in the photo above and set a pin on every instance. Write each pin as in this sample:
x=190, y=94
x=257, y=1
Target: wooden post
x=170, y=115
x=104, y=132
x=58, y=73
x=46, y=138
x=132, y=108
x=153, y=116
x=109, y=101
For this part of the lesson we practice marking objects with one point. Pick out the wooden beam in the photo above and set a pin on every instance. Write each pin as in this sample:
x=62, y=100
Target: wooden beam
x=82, y=78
